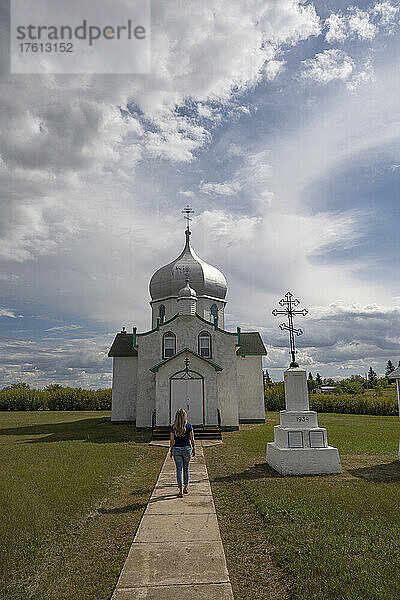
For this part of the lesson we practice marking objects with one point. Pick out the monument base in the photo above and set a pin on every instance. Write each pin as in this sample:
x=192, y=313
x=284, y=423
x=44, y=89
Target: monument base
x=303, y=461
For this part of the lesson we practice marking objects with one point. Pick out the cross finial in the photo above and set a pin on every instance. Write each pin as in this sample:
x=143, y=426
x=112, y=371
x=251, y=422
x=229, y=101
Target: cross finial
x=187, y=211
x=187, y=362
x=289, y=303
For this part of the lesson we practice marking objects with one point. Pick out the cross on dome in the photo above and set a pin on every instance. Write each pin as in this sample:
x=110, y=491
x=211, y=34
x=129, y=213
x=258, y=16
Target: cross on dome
x=187, y=211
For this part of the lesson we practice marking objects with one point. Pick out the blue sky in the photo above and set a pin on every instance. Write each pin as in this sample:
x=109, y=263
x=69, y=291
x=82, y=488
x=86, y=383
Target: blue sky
x=276, y=120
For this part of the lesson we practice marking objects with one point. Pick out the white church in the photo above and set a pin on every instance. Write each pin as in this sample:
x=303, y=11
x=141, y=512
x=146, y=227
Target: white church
x=187, y=359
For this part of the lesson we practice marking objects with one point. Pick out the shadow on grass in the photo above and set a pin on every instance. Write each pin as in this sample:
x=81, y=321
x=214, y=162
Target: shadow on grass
x=99, y=430
x=379, y=473
x=257, y=471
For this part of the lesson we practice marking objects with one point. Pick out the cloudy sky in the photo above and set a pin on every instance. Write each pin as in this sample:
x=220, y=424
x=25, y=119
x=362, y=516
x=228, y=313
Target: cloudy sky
x=277, y=120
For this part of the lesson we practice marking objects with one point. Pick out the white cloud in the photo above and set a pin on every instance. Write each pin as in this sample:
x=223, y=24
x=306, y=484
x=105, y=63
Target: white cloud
x=91, y=168
x=273, y=68
x=61, y=133
x=387, y=13
x=7, y=312
x=342, y=337
x=227, y=188
x=327, y=66
x=69, y=361
x=360, y=24
x=337, y=28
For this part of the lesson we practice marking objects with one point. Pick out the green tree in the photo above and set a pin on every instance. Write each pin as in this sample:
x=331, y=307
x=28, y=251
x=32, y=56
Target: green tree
x=318, y=379
x=267, y=378
x=310, y=376
x=389, y=368
x=372, y=378
x=52, y=387
x=17, y=386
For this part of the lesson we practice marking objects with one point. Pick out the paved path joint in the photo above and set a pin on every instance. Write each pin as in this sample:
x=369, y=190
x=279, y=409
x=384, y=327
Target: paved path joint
x=177, y=551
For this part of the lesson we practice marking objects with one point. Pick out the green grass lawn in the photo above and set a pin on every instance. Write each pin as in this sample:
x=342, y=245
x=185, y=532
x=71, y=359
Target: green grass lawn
x=73, y=488
x=312, y=538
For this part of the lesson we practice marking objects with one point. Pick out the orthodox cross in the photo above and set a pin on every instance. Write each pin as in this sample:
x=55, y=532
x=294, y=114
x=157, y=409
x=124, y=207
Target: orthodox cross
x=187, y=211
x=187, y=362
x=289, y=311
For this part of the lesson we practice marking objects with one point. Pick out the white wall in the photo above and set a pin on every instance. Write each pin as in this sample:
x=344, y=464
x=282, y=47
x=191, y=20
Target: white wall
x=123, y=407
x=203, y=308
x=250, y=387
x=163, y=387
x=186, y=329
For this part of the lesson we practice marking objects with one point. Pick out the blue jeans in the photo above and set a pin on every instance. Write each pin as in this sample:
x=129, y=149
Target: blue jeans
x=182, y=457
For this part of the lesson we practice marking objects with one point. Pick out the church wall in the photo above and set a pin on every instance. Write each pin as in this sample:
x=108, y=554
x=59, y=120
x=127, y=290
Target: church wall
x=149, y=352
x=163, y=387
x=171, y=308
x=204, y=310
x=124, y=388
x=186, y=329
x=224, y=354
x=250, y=388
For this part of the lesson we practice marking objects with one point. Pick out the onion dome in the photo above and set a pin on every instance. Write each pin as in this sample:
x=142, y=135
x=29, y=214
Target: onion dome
x=207, y=280
x=187, y=291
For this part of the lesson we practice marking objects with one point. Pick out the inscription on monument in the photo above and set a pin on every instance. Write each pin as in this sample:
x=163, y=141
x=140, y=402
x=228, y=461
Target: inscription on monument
x=295, y=439
x=316, y=439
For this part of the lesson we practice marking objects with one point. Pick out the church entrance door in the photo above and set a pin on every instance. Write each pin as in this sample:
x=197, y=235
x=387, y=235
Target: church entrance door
x=187, y=391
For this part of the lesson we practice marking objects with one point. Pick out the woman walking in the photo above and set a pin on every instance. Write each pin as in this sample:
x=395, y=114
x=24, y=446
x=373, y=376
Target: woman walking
x=181, y=448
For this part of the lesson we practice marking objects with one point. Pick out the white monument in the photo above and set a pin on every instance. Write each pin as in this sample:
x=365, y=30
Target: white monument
x=396, y=375
x=300, y=447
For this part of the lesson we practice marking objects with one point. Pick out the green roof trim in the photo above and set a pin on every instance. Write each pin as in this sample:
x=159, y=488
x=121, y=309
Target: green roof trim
x=157, y=327
x=217, y=328
x=251, y=345
x=123, y=346
x=164, y=362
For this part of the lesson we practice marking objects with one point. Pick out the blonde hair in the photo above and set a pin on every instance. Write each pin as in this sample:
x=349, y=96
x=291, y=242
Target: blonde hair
x=180, y=422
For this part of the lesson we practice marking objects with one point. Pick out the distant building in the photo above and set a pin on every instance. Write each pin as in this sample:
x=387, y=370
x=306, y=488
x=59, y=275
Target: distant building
x=324, y=389
x=188, y=360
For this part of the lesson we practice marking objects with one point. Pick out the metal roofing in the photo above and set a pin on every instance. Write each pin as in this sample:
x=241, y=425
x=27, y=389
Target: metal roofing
x=251, y=343
x=395, y=374
x=123, y=345
x=205, y=279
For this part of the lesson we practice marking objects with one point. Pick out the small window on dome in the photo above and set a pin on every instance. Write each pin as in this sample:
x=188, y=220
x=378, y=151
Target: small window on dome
x=205, y=344
x=214, y=313
x=169, y=344
x=161, y=313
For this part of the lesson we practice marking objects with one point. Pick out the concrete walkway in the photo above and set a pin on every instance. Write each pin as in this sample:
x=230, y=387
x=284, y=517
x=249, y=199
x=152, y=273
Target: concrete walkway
x=177, y=551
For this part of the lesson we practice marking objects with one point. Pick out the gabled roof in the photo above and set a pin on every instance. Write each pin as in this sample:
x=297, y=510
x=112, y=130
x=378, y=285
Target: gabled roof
x=395, y=374
x=167, y=360
x=123, y=345
x=251, y=344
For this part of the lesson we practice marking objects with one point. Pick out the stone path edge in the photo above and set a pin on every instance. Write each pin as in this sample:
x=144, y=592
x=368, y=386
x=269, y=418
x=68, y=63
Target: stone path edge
x=150, y=568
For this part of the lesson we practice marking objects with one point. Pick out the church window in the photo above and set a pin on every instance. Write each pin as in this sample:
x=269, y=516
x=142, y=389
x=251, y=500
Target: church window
x=161, y=313
x=205, y=344
x=169, y=344
x=214, y=313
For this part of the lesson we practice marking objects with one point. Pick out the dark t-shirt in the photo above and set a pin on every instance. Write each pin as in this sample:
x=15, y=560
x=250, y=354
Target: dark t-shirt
x=183, y=440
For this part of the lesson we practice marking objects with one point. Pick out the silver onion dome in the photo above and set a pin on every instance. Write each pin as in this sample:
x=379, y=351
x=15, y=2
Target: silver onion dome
x=187, y=291
x=206, y=280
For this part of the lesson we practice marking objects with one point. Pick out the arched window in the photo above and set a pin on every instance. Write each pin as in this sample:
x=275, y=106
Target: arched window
x=214, y=313
x=161, y=313
x=205, y=344
x=169, y=344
